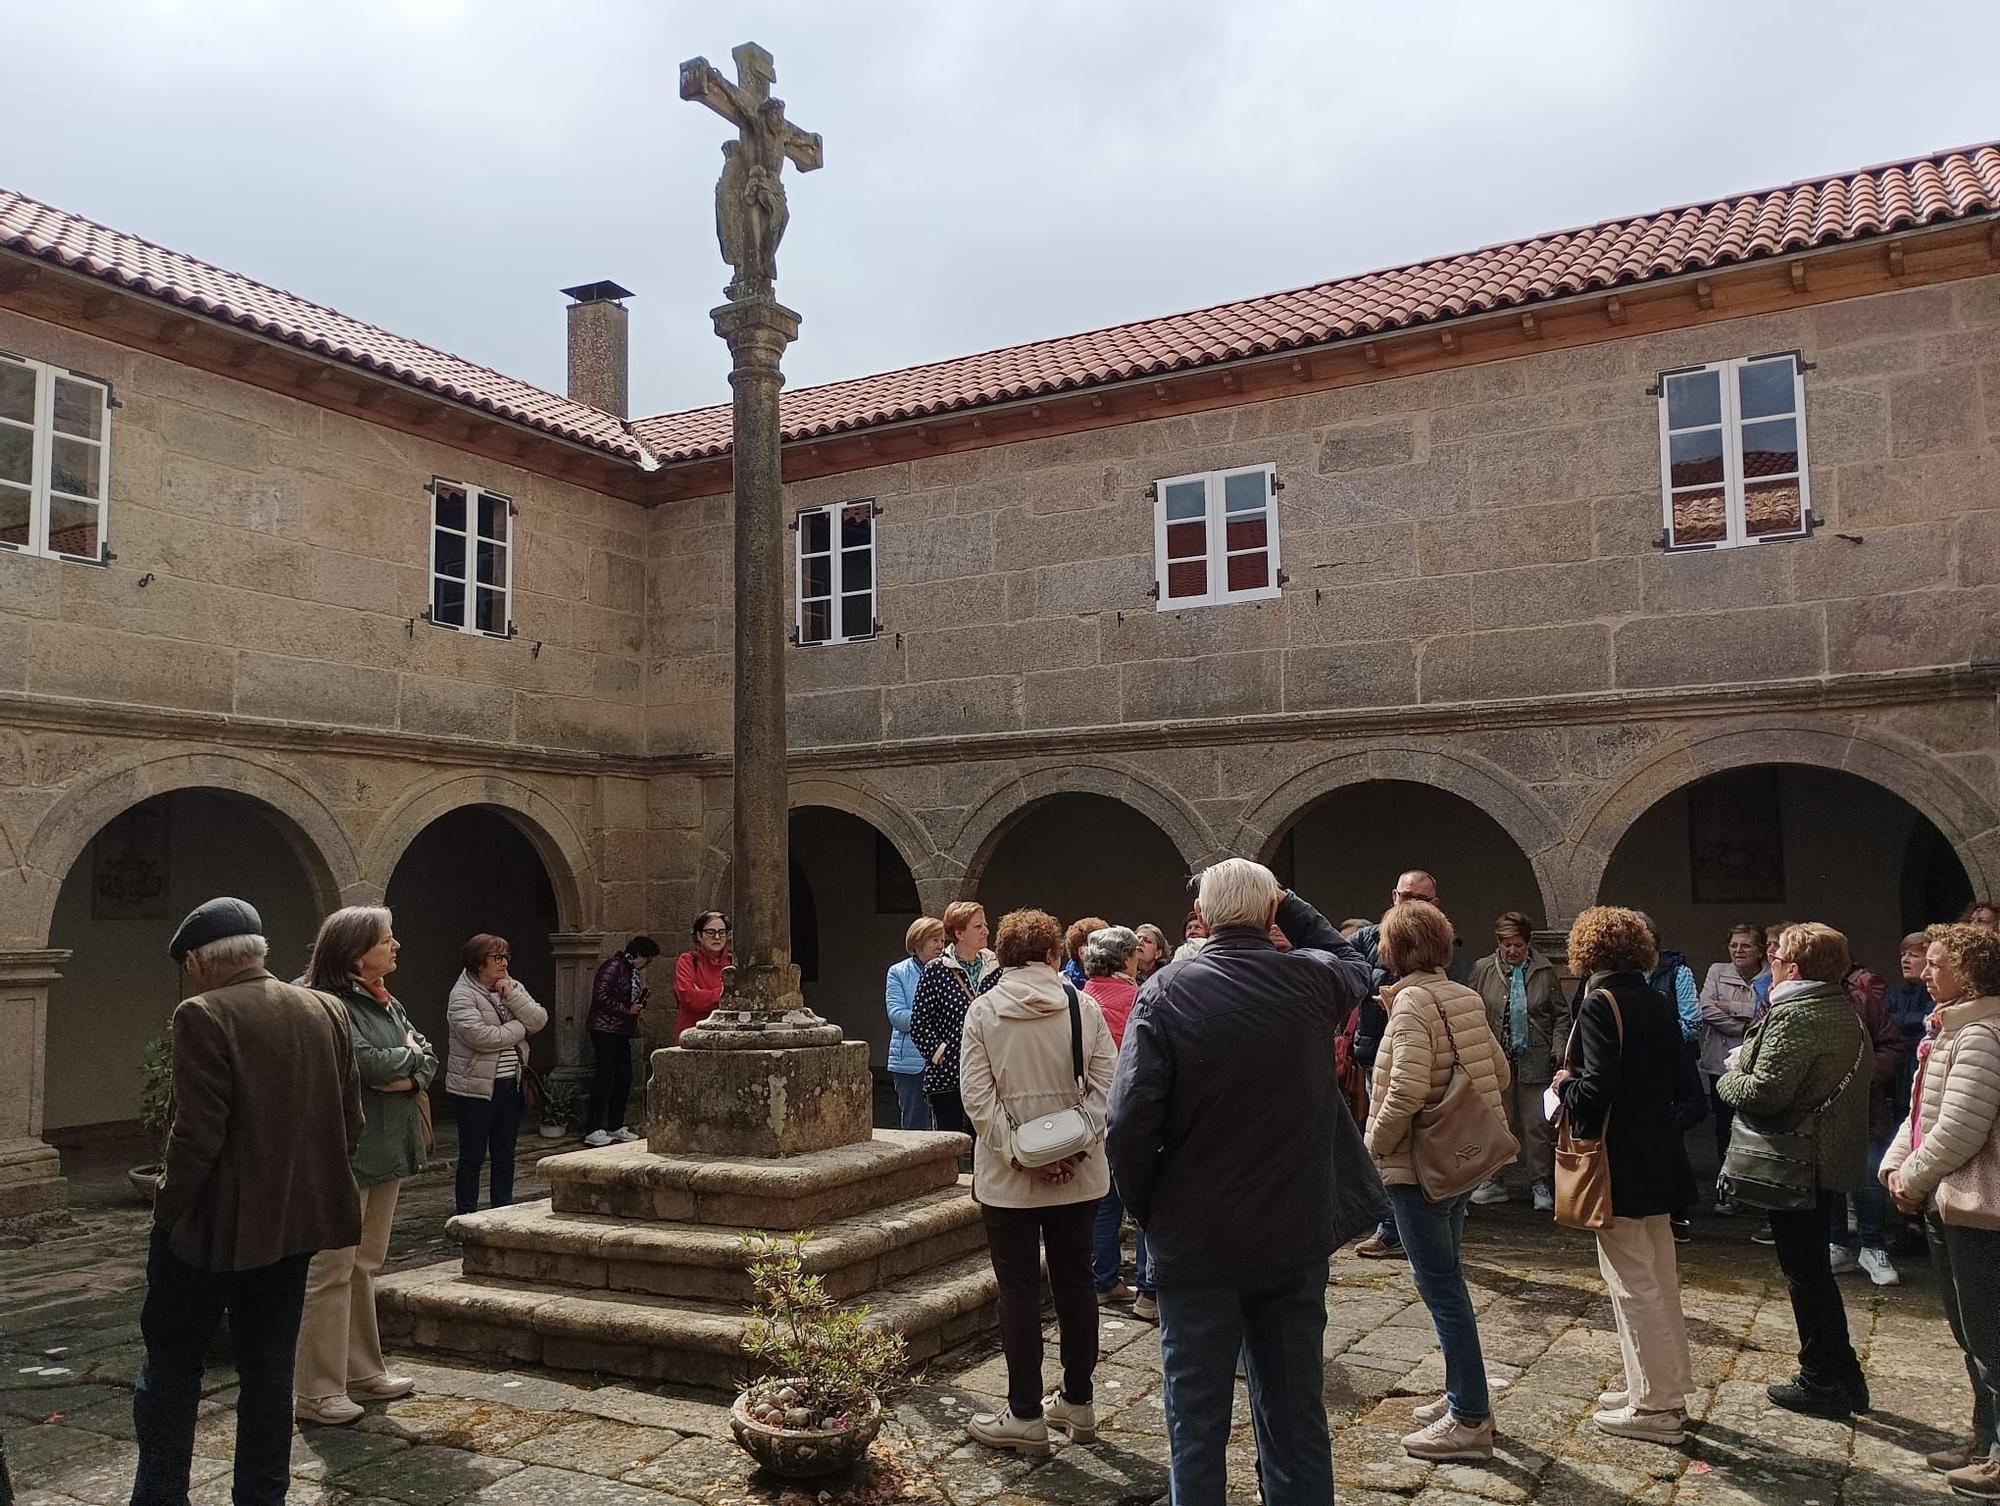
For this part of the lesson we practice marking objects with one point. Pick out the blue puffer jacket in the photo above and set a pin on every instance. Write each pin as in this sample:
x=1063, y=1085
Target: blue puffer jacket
x=901, y=994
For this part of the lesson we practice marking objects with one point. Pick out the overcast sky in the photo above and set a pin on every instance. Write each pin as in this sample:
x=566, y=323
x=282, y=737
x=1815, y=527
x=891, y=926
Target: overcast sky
x=994, y=172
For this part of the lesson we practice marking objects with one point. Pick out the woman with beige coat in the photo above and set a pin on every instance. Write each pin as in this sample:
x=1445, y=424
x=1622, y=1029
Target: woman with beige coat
x=1944, y=1164
x=1432, y=1023
x=1016, y=1063
x=490, y=1017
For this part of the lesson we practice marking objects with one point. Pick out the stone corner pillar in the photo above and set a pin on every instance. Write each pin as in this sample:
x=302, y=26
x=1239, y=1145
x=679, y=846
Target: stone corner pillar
x=31, y=1180
x=577, y=954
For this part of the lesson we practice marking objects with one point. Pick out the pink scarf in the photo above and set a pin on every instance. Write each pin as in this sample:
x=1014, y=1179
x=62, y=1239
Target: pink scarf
x=1933, y=1022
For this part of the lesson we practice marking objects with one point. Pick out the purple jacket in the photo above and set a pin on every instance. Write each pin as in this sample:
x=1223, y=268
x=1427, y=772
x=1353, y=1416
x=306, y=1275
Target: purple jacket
x=615, y=1002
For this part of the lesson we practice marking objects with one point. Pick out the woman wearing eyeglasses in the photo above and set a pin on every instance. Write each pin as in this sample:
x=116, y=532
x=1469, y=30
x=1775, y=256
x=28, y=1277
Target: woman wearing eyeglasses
x=698, y=973
x=490, y=1016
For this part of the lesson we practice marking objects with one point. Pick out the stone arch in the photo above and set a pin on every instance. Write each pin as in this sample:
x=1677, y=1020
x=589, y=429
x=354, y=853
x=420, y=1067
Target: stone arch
x=546, y=825
x=980, y=833
x=1968, y=822
x=308, y=825
x=1524, y=817
x=858, y=798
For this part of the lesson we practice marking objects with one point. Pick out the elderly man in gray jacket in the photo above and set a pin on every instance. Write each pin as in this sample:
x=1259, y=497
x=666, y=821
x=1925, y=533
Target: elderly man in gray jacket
x=1224, y=1114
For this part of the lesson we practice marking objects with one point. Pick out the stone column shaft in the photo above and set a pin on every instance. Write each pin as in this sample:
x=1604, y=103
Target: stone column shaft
x=758, y=330
x=577, y=954
x=31, y=1179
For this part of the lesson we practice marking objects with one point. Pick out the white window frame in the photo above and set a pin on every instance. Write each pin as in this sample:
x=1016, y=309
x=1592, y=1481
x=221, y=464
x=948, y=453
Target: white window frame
x=1215, y=519
x=836, y=574
x=42, y=438
x=1736, y=532
x=469, y=583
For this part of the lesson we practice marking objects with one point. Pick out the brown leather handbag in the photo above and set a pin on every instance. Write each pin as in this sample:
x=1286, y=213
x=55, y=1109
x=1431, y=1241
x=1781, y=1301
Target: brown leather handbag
x=1458, y=1142
x=1583, y=1167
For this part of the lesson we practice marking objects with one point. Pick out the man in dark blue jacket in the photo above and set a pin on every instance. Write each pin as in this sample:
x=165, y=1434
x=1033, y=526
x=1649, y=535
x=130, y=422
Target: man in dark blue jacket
x=1222, y=1131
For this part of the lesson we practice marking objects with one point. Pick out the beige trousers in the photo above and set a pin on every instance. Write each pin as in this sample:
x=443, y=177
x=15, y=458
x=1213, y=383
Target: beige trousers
x=1636, y=1256
x=1531, y=1128
x=338, y=1340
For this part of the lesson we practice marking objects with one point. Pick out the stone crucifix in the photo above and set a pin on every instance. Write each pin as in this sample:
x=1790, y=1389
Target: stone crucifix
x=750, y=212
x=762, y=1075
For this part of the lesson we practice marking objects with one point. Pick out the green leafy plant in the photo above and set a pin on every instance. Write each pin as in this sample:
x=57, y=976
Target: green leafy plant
x=821, y=1363
x=156, y=1087
x=559, y=1102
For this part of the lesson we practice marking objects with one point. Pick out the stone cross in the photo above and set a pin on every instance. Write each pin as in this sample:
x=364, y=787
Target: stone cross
x=762, y=1008
x=750, y=210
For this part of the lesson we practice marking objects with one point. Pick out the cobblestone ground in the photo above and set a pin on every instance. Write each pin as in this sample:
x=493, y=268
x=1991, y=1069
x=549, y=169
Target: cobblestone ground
x=69, y=1348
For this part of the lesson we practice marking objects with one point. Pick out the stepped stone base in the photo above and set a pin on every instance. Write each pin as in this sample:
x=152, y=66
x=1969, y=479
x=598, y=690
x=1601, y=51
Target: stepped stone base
x=532, y=1243
x=635, y=1266
x=651, y=1338
x=798, y=1192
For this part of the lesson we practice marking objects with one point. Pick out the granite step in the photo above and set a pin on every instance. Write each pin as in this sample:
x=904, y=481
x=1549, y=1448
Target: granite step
x=534, y=1243
x=646, y=1337
x=793, y=1192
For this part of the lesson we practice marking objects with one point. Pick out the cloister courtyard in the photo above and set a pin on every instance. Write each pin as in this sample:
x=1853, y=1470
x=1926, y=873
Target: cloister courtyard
x=69, y=1350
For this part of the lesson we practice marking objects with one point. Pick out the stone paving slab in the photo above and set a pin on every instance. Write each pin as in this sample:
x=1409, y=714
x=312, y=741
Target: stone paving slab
x=480, y=1433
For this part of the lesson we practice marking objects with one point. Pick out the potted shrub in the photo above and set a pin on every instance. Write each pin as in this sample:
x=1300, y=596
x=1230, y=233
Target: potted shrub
x=818, y=1403
x=558, y=1108
x=156, y=1088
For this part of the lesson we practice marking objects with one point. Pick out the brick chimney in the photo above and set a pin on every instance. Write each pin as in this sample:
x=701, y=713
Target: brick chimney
x=598, y=346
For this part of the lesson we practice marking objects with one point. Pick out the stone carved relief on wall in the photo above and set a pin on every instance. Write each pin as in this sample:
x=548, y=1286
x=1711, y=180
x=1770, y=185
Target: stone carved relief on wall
x=128, y=871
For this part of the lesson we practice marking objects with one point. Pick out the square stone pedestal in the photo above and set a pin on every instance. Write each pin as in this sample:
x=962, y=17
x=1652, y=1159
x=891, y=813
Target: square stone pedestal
x=787, y=1102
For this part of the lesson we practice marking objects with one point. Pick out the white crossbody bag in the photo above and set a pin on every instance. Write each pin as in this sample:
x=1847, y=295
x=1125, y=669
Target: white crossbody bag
x=1048, y=1138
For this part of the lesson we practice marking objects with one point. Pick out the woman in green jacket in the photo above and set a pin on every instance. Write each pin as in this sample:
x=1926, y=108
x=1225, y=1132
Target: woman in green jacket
x=340, y=1351
x=1810, y=1056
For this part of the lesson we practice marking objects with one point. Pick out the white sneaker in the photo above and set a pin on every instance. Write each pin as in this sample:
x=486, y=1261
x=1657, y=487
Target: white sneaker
x=1065, y=1416
x=1004, y=1430
x=327, y=1411
x=1545, y=1198
x=625, y=1135
x=1612, y=1400
x=1841, y=1259
x=1881, y=1270
x=597, y=1139
x=1655, y=1427
x=1488, y=1193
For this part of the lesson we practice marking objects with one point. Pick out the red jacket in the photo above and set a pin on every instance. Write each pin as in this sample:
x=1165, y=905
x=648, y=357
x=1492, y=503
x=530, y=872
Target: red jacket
x=697, y=988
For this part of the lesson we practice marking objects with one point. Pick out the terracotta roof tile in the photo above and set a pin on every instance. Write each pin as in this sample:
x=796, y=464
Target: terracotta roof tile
x=1690, y=238
x=85, y=246
x=1672, y=242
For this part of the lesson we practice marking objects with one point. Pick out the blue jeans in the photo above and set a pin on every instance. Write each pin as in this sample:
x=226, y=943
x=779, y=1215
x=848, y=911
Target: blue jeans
x=184, y=1304
x=1279, y=1327
x=1434, y=1234
x=915, y=1108
x=1104, y=1251
x=1871, y=1202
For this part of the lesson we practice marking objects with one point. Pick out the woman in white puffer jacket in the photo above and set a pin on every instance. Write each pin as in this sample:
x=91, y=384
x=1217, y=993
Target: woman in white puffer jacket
x=1944, y=1163
x=1018, y=1055
x=490, y=1017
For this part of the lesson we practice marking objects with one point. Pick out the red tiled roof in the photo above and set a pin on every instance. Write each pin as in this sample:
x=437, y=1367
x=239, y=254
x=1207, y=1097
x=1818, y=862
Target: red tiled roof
x=84, y=246
x=1817, y=212
x=1696, y=237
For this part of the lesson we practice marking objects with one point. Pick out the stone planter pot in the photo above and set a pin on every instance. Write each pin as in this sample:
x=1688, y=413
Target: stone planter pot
x=553, y=1131
x=801, y=1454
x=145, y=1180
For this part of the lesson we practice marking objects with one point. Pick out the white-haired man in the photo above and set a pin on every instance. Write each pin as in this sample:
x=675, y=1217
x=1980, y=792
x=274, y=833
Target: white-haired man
x=266, y=1113
x=1223, y=1118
